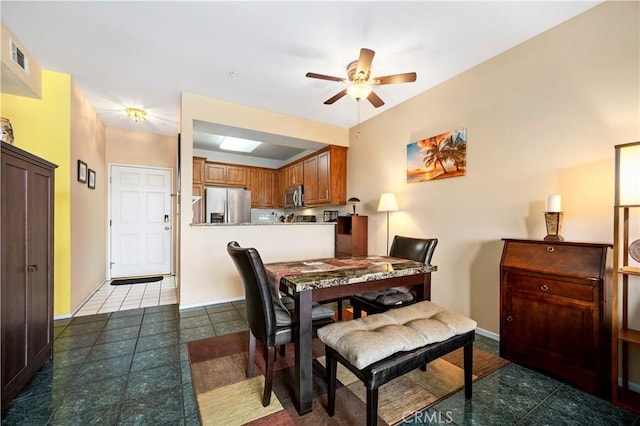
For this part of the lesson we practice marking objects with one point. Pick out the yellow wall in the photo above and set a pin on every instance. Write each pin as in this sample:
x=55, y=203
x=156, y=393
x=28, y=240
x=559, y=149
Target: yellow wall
x=42, y=127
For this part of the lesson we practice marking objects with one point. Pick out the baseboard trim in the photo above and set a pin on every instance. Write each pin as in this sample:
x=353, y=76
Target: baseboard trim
x=489, y=334
x=216, y=302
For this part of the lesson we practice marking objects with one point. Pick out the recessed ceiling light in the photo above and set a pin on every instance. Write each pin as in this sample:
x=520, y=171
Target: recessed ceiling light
x=240, y=145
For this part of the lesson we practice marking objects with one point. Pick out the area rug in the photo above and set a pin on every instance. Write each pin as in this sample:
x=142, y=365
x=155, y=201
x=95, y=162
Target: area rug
x=138, y=280
x=225, y=396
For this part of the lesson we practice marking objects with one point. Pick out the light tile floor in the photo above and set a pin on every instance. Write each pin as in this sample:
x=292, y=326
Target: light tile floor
x=112, y=298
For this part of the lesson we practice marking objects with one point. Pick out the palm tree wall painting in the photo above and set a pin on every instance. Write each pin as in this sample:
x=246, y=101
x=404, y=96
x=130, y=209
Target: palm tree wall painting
x=438, y=157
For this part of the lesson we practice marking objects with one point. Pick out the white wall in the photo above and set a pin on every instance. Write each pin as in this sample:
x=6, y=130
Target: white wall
x=542, y=118
x=217, y=279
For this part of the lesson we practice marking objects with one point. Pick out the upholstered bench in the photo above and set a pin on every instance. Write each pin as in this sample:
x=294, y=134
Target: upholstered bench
x=381, y=347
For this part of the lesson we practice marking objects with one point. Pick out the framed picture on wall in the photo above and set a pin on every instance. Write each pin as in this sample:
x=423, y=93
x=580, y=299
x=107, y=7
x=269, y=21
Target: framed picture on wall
x=92, y=179
x=82, y=171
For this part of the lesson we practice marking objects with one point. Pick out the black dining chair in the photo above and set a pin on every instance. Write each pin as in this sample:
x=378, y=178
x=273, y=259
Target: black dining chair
x=268, y=312
x=418, y=249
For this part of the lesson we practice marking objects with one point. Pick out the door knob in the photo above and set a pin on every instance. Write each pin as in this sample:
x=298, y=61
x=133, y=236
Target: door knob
x=32, y=268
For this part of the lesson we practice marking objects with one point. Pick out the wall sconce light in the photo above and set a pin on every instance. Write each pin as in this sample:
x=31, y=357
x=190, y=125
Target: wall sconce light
x=136, y=114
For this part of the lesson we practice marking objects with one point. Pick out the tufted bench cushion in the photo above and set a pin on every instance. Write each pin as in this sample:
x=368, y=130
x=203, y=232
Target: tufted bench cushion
x=366, y=340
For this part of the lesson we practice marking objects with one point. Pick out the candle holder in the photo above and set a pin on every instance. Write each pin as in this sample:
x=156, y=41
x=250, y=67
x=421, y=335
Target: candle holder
x=553, y=220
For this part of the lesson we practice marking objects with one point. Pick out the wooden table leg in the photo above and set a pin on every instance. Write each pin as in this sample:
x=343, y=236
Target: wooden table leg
x=303, y=394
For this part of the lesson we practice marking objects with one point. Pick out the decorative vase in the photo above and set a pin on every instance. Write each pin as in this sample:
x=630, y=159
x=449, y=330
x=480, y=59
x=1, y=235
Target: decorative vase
x=7, y=130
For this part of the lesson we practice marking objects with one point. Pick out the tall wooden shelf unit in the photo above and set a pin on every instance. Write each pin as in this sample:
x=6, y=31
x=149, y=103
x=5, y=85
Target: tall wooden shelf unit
x=352, y=236
x=626, y=283
x=26, y=293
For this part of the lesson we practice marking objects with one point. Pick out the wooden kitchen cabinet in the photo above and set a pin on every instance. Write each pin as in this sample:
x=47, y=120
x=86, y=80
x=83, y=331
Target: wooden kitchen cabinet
x=215, y=174
x=310, y=179
x=554, y=310
x=226, y=174
x=26, y=293
x=198, y=170
x=198, y=206
x=292, y=174
x=352, y=236
x=263, y=185
x=325, y=177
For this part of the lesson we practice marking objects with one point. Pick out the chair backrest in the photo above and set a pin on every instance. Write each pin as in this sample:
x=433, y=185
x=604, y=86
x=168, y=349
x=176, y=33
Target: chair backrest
x=418, y=249
x=260, y=312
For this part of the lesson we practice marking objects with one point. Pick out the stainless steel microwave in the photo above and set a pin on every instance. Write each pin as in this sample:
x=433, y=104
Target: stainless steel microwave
x=294, y=196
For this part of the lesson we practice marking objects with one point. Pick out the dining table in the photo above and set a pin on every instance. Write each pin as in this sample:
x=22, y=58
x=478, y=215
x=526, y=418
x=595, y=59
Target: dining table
x=317, y=280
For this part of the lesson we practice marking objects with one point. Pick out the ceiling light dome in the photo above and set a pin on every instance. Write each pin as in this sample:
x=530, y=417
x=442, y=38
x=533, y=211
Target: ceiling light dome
x=360, y=90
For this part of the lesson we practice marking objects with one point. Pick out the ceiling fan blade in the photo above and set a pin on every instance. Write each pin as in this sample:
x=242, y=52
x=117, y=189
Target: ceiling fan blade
x=364, y=62
x=375, y=100
x=324, y=77
x=396, y=78
x=335, y=97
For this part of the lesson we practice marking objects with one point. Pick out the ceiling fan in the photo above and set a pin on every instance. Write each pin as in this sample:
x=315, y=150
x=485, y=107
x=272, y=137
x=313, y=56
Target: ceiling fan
x=361, y=82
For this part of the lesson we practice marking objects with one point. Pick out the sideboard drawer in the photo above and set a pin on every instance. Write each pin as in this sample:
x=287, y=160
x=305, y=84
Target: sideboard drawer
x=583, y=261
x=549, y=287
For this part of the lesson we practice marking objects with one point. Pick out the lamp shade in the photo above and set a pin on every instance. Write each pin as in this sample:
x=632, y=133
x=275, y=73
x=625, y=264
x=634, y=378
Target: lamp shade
x=387, y=202
x=359, y=91
x=628, y=174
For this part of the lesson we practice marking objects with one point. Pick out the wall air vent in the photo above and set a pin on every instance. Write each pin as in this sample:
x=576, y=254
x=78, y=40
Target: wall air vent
x=18, y=57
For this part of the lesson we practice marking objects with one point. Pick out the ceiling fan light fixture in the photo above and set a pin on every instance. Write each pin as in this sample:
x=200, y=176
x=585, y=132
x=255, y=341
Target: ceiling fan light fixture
x=359, y=91
x=136, y=114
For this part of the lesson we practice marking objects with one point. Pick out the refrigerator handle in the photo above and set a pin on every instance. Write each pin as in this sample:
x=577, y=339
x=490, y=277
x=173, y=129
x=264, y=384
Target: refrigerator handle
x=226, y=209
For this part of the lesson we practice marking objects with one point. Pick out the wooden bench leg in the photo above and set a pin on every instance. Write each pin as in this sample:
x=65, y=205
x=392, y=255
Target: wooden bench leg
x=468, y=370
x=372, y=407
x=331, y=371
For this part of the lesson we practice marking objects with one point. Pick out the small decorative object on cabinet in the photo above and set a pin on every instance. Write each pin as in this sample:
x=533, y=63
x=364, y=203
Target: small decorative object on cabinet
x=625, y=348
x=351, y=236
x=26, y=293
x=554, y=312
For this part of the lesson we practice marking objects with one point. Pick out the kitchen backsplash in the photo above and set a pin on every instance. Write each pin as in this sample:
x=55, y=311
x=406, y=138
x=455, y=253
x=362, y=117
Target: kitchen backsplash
x=273, y=215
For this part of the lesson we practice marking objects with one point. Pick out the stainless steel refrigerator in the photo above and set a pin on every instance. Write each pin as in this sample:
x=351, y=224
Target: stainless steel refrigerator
x=228, y=205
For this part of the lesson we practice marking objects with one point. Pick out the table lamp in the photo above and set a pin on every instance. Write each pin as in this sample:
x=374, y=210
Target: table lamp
x=387, y=204
x=553, y=218
x=353, y=201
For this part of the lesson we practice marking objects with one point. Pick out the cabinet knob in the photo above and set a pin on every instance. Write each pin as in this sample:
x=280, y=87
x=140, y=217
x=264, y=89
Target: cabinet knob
x=544, y=287
x=509, y=318
x=551, y=249
x=32, y=268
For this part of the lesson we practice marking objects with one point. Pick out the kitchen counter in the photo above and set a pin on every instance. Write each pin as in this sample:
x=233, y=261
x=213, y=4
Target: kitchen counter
x=263, y=224
x=211, y=275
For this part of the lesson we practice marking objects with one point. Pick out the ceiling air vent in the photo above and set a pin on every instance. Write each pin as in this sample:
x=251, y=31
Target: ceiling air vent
x=18, y=57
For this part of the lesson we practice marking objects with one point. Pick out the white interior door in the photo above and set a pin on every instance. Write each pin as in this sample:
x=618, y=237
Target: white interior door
x=141, y=221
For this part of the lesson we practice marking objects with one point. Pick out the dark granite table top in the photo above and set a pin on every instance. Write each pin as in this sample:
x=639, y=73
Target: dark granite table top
x=321, y=273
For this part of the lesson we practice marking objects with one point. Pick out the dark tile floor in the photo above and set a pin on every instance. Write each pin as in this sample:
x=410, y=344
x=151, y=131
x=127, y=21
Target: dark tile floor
x=131, y=368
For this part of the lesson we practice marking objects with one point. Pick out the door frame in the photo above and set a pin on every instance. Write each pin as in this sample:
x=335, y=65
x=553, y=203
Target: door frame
x=172, y=243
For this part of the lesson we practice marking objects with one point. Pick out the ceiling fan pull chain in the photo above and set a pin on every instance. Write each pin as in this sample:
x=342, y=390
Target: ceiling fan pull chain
x=358, y=122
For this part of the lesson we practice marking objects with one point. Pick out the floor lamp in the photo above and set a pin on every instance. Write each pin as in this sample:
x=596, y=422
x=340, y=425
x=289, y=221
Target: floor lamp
x=387, y=204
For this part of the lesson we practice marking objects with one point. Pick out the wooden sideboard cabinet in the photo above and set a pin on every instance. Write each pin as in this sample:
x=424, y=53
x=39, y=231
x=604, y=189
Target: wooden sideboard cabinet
x=352, y=236
x=555, y=311
x=26, y=293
